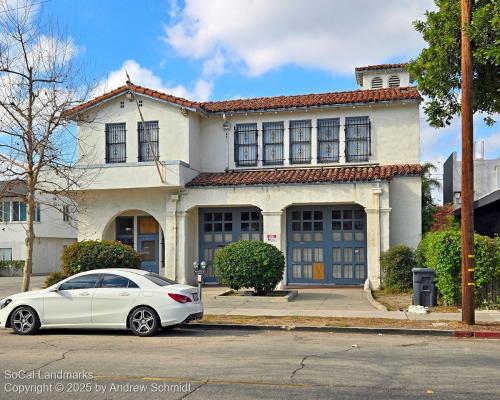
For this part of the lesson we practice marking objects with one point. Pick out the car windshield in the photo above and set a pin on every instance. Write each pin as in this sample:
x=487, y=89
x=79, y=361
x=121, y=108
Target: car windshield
x=159, y=280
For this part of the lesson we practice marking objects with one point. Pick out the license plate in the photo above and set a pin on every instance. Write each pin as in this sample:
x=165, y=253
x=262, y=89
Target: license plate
x=196, y=297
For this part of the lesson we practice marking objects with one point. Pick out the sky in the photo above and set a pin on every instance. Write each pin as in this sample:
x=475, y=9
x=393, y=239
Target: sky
x=226, y=49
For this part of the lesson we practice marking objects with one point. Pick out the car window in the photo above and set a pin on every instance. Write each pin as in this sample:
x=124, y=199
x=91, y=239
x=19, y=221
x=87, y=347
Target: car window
x=81, y=282
x=159, y=280
x=117, y=281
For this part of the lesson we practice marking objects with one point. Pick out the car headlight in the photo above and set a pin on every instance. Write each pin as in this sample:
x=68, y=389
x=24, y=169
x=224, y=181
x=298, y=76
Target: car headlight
x=4, y=303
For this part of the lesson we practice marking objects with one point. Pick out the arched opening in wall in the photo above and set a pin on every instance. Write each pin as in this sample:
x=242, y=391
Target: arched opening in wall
x=219, y=227
x=139, y=230
x=376, y=82
x=326, y=244
x=394, y=81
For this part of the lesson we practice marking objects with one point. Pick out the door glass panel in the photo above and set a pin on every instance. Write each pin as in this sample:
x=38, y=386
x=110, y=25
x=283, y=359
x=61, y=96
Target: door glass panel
x=337, y=271
x=318, y=254
x=296, y=255
x=359, y=254
x=307, y=255
x=125, y=225
x=360, y=271
x=308, y=271
x=347, y=214
x=347, y=254
x=217, y=216
x=347, y=236
x=347, y=271
x=148, y=250
x=296, y=271
x=337, y=255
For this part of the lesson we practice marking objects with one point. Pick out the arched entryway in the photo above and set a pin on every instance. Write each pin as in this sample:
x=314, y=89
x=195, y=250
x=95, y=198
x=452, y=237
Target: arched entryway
x=141, y=231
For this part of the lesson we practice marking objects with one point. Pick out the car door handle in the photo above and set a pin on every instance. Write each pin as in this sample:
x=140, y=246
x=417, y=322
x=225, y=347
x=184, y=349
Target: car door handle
x=124, y=294
x=85, y=294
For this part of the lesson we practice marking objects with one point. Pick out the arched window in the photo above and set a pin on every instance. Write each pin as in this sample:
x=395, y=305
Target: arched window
x=377, y=82
x=394, y=81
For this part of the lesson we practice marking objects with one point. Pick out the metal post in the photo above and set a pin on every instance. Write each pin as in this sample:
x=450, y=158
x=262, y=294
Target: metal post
x=467, y=197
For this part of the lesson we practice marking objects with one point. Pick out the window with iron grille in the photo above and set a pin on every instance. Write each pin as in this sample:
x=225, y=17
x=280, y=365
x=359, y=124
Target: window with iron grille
x=357, y=138
x=245, y=145
x=148, y=140
x=300, y=142
x=273, y=142
x=116, y=148
x=328, y=140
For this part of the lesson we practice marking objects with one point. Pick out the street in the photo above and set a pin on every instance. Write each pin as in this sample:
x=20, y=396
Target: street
x=223, y=364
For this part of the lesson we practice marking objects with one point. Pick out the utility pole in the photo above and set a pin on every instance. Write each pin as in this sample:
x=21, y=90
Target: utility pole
x=467, y=197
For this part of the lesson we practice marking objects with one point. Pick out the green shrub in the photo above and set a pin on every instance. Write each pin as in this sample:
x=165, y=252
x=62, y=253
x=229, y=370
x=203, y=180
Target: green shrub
x=95, y=254
x=12, y=264
x=397, y=264
x=441, y=251
x=54, y=277
x=250, y=264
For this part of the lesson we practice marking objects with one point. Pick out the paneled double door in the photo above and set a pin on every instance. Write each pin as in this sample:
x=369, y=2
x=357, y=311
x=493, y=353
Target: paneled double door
x=326, y=245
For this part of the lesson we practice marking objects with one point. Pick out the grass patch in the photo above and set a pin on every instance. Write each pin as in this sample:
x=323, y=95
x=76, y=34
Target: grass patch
x=345, y=322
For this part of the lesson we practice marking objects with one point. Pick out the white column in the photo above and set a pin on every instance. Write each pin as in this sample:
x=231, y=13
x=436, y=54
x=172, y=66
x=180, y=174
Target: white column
x=181, y=264
x=171, y=238
x=374, y=239
x=273, y=234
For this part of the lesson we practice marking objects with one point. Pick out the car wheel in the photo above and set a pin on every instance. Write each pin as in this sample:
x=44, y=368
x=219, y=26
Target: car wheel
x=24, y=321
x=143, y=321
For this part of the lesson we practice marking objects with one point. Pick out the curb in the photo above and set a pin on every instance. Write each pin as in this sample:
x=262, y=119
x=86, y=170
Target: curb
x=339, y=329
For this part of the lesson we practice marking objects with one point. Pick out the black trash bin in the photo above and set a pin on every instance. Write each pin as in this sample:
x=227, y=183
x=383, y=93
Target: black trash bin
x=424, y=288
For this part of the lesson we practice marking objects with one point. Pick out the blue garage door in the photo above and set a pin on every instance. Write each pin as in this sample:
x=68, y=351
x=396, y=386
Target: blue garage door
x=326, y=245
x=222, y=226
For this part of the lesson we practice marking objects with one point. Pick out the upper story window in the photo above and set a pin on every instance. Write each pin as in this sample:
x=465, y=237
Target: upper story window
x=65, y=213
x=376, y=82
x=357, y=139
x=273, y=143
x=245, y=145
x=394, y=81
x=328, y=140
x=4, y=211
x=116, y=147
x=300, y=142
x=148, y=140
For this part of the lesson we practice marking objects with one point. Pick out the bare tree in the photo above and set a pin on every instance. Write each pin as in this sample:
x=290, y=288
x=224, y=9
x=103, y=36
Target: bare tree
x=39, y=84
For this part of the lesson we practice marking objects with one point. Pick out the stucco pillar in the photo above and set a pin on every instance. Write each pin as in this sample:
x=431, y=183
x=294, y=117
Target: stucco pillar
x=171, y=238
x=374, y=239
x=182, y=248
x=384, y=229
x=273, y=234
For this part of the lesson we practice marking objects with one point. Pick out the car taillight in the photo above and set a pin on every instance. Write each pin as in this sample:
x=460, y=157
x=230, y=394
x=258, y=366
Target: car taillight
x=180, y=298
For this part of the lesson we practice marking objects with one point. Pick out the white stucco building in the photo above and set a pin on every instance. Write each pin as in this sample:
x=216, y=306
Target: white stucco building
x=53, y=230
x=331, y=179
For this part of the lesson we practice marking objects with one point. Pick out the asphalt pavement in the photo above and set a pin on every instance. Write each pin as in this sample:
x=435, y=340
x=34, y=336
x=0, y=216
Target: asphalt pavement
x=225, y=364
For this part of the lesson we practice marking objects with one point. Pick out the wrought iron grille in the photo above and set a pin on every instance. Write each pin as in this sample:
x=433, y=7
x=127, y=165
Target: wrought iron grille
x=300, y=142
x=148, y=140
x=357, y=138
x=116, y=148
x=273, y=133
x=245, y=145
x=328, y=140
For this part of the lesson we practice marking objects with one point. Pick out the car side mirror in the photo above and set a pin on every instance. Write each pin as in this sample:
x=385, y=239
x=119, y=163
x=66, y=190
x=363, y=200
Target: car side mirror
x=54, y=289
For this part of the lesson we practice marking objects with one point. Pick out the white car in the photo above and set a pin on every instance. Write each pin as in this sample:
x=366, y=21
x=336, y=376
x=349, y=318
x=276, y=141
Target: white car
x=104, y=298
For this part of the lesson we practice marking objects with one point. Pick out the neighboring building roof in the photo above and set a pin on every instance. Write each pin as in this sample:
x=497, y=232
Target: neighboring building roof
x=486, y=200
x=13, y=188
x=268, y=103
x=304, y=175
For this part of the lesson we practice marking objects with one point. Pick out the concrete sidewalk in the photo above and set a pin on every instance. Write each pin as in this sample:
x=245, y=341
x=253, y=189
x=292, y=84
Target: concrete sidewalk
x=331, y=302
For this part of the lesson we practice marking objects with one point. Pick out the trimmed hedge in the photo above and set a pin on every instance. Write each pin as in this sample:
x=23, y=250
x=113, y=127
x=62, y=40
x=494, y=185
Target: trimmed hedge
x=12, y=264
x=397, y=264
x=54, y=277
x=441, y=251
x=95, y=254
x=250, y=264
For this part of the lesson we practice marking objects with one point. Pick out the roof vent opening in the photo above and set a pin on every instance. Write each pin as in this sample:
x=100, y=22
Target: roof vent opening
x=377, y=83
x=394, y=81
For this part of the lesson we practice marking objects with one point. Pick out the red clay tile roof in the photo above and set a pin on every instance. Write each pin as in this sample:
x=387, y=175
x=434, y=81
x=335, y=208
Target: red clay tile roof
x=304, y=175
x=381, y=66
x=312, y=100
x=138, y=89
x=267, y=103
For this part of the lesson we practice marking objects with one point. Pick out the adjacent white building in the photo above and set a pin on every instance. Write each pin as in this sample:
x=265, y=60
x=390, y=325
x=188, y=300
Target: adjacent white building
x=331, y=179
x=53, y=230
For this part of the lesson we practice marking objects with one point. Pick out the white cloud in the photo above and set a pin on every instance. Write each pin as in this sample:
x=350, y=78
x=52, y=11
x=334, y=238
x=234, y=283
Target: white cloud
x=200, y=90
x=264, y=35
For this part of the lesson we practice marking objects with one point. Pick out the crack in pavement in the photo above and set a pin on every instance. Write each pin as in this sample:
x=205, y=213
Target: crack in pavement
x=63, y=356
x=203, y=383
x=303, y=361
